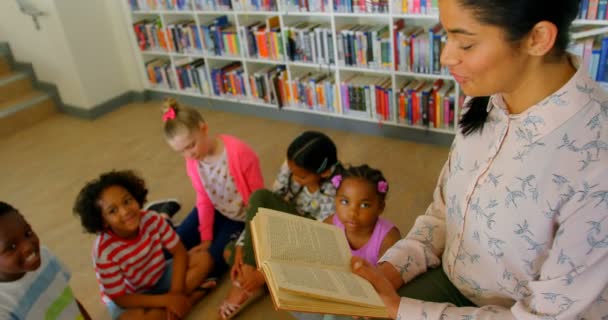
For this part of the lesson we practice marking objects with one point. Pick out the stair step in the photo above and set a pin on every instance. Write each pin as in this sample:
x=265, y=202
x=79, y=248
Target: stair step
x=5, y=68
x=24, y=111
x=14, y=84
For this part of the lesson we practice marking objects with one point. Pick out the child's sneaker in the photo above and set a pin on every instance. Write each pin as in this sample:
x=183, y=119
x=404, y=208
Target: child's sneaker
x=165, y=206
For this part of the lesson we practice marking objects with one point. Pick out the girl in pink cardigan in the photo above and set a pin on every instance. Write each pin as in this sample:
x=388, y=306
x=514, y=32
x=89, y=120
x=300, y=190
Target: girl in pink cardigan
x=224, y=171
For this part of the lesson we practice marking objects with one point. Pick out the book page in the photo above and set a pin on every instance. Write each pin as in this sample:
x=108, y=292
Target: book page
x=284, y=300
x=328, y=284
x=290, y=238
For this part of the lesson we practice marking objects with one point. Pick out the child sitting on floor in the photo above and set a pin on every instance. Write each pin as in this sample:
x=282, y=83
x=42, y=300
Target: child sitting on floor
x=33, y=282
x=135, y=280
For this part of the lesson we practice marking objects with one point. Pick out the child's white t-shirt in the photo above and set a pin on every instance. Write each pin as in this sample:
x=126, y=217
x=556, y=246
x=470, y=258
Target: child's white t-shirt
x=221, y=188
x=40, y=294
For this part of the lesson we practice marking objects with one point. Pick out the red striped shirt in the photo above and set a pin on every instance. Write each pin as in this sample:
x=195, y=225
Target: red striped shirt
x=126, y=266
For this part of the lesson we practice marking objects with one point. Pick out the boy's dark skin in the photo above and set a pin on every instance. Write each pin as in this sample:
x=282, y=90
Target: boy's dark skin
x=20, y=250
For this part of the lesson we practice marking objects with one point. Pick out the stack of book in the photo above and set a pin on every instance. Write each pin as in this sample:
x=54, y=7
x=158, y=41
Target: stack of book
x=160, y=73
x=263, y=39
x=368, y=96
x=313, y=91
x=364, y=46
x=310, y=43
x=426, y=103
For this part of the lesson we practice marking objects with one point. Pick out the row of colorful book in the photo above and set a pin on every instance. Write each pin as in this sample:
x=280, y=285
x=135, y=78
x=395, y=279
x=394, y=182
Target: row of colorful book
x=309, y=43
x=255, y=5
x=419, y=49
x=361, y=6
x=368, y=96
x=593, y=9
x=160, y=4
x=307, y=5
x=422, y=7
x=594, y=54
x=160, y=73
x=416, y=102
x=426, y=103
x=364, y=46
x=269, y=85
x=312, y=91
x=263, y=39
x=192, y=76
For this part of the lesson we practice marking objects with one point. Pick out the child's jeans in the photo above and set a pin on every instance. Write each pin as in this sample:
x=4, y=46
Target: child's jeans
x=162, y=286
x=224, y=231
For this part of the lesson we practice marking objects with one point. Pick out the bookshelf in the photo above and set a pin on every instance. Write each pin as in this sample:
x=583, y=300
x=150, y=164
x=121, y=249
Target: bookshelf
x=372, y=87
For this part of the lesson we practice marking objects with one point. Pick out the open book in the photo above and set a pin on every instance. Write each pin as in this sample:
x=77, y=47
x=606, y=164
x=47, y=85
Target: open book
x=306, y=264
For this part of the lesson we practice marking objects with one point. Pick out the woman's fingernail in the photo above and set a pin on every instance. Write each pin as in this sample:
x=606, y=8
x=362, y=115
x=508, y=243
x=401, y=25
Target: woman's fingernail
x=358, y=264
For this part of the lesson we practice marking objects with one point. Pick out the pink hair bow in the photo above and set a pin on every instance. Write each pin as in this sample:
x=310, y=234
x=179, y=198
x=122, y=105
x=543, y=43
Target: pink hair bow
x=169, y=115
x=382, y=186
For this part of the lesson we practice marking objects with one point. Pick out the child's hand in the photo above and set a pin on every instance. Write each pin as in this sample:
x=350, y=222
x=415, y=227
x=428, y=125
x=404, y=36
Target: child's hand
x=384, y=288
x=177, y=304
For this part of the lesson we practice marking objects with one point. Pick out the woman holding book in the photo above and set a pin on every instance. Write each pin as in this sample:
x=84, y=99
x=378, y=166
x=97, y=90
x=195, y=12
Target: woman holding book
x=517, y=228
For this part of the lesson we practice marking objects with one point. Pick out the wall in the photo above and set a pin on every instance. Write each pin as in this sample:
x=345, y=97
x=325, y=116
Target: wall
x=82, y=47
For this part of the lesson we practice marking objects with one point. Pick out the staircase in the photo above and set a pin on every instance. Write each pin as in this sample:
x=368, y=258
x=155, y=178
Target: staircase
x=23, y=100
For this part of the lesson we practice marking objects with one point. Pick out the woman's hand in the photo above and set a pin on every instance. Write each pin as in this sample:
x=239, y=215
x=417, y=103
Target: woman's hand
x=382, y=285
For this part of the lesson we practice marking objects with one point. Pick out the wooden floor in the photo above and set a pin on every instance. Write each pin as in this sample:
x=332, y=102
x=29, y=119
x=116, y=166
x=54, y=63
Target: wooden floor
x=43, y=167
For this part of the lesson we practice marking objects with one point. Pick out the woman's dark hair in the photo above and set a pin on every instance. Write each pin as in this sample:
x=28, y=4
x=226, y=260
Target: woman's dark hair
x=86, y=206
x=313, y=151
x=516, y=18
x=371, y=175
x=6, y=208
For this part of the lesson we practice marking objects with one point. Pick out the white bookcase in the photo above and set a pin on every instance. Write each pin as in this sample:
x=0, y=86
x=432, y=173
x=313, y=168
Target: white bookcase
x=330, y=18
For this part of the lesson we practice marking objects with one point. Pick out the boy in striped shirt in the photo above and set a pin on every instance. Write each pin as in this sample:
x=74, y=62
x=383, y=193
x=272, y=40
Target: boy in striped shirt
x=135, y=279
x=33, y=282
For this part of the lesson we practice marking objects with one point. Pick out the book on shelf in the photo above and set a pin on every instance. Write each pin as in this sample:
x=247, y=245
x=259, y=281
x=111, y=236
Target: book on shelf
x=426, y=103
x=593, y=51
x=268, y=85
x=212, y=5
x=150, y=35
x=368, y=96
x=361, y=6
x=364, y=46
x=313, y=91
x=422, y=7
x=309, y=43
x=147, y=5
x=160, y=73
x=593, y=10
x=263, y=40
x=306, y=264
x=419, y=50
x=255, y=5
x=319, y=6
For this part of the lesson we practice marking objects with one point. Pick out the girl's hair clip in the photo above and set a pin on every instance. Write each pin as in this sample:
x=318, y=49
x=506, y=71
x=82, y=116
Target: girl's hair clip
x=382, y=186
x=169, y=114
x=336, y=180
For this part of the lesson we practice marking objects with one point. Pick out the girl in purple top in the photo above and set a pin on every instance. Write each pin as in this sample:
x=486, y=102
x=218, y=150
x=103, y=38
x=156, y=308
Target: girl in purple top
x=360, y=200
